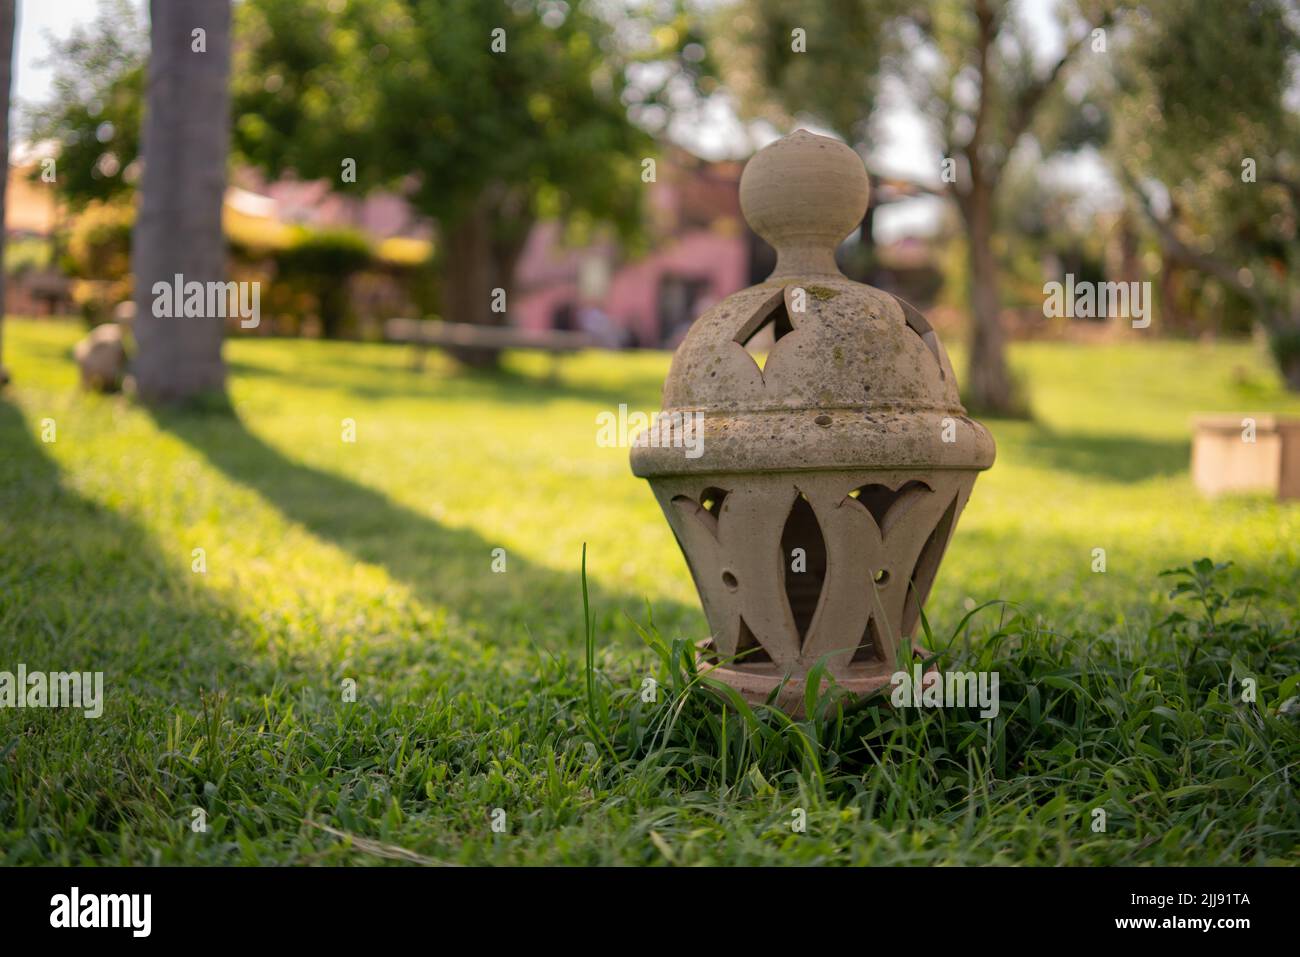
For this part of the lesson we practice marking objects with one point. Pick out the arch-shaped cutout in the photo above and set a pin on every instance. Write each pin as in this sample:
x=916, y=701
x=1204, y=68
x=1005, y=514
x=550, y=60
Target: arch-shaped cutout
x=771, y=315
x=927, y=566
x=921, y=326
x=749, y=650
x=711, y=500
x=804, y=575
x=869, y=646
x=693, y=511
x=707, y=510
x=886, y=505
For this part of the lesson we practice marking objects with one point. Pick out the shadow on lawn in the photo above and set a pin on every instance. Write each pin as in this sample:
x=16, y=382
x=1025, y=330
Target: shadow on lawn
x=640, y=391
x=445, y=567
x=509, y=383
x=1118, y=458
x=81, y=582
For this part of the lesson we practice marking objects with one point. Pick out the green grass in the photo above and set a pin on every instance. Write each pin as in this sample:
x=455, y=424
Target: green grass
x=372, y=561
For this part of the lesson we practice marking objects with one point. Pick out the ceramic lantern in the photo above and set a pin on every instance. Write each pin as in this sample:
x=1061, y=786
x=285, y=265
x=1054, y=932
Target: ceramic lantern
x=815, y=504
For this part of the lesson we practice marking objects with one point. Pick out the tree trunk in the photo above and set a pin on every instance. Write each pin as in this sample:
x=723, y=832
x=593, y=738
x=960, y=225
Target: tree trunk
x=867, y=238
x=332, y=304
x=1173, y=321
x=178, y=226
x=7, y=23
x=468, y=280
x=1291, y=373
x=1284, y=342
x=479, y=260
x=988, y=381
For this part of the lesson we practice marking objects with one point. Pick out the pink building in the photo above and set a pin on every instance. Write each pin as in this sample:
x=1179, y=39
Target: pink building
x=380, y=215
x=701, y=251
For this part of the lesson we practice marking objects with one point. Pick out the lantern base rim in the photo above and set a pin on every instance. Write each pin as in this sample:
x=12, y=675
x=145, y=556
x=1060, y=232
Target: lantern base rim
x=755, y=682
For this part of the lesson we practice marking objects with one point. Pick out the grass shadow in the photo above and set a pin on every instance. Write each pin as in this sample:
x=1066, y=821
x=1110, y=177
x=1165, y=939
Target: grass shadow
x=444, y=566
x=1117, y=458
x=70, y=584
x=522, y=379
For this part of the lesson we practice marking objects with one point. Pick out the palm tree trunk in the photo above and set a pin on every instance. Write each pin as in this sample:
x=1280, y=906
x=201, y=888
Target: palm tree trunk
x=178, y=227
x=7, y=18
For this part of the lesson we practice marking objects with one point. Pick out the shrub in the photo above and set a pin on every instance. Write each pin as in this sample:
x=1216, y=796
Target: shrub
x=99, y=257
x=322, y=262
x=26, y=255
x=100, y=244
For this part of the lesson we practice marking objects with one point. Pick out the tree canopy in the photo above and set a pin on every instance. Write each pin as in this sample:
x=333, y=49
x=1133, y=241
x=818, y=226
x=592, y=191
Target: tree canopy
x=1206, y=138
x=449, y=100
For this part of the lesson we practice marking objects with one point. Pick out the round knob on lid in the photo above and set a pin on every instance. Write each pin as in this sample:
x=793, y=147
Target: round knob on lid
x=804, y=194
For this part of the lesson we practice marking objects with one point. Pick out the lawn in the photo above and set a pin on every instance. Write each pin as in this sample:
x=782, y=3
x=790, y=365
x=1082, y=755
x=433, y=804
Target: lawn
x=327, y=562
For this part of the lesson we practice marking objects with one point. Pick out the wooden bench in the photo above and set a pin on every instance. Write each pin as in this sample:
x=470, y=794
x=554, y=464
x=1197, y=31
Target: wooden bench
x=463, y=336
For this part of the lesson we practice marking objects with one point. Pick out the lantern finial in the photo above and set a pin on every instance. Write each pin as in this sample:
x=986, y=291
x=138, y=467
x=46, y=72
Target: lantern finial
x=804, y=194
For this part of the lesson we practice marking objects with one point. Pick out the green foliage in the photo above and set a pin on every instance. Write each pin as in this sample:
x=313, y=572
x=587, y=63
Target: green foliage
x=94, y=111
x=1201, y=113
x=372, y=561
x=413, y=92
x=836, y=80
x=99, y=246
x=322, y=262
x=1212, y=78
x=99, y=257
x=324, y=252
x=26, y=253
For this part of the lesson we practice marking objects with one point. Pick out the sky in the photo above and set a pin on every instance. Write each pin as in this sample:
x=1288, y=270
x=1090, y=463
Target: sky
x=904, y=149
x=36, y=18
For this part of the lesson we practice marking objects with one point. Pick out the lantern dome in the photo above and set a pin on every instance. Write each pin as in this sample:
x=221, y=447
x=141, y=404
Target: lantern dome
x=852, y=375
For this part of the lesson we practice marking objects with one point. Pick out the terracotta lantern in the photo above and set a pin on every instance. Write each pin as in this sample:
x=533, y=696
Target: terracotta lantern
x=816, y=501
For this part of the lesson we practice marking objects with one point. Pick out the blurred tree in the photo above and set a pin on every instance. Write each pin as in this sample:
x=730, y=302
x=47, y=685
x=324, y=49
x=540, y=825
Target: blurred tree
x=178, y=227
x=7, y=21
x=485, y=115
x=1207, y=140
x=973, y=67
x=92, y=117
